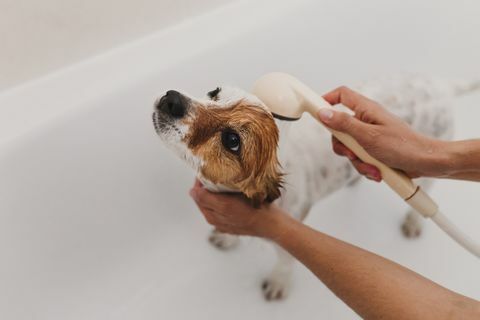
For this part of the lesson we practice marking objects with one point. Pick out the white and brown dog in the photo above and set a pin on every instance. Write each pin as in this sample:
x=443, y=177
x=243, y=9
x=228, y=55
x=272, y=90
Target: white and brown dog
x=230, y=139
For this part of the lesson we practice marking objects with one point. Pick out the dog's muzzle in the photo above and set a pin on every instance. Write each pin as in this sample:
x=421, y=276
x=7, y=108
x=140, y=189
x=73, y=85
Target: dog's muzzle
x=171, y=107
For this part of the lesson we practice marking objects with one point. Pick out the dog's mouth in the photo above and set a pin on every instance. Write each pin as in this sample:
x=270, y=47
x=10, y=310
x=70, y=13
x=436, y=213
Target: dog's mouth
x=156, y=122
x=163, y=126
x=160, y=122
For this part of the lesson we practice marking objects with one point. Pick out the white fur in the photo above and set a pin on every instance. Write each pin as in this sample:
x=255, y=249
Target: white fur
x=313, y=171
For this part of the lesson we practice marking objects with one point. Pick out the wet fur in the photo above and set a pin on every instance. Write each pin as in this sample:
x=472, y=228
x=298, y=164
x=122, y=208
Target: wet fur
x=255, y=170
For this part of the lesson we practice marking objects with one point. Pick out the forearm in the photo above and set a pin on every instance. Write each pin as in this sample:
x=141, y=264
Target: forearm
x=462, y=160
x=467, y=175
x=372, y=286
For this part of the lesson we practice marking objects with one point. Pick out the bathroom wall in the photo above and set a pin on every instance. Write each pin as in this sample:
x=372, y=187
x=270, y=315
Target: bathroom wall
x=38, y=37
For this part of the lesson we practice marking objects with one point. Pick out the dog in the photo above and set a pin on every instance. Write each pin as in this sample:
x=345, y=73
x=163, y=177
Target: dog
x=230, y=139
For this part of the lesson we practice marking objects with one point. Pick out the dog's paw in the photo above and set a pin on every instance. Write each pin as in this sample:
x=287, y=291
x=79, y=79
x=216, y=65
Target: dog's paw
x=223, y=241
x=275, y=288
x=412, y=225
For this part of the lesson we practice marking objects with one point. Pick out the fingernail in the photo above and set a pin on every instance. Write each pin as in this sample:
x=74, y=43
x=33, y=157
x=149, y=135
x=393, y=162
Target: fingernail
x=373, y=176
x=325, y=114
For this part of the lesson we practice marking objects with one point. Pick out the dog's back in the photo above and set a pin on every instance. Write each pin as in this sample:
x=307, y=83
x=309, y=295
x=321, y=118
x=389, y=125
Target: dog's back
x=424, y=103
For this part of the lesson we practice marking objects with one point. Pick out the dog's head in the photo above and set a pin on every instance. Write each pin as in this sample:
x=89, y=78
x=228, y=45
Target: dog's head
x=229, y=138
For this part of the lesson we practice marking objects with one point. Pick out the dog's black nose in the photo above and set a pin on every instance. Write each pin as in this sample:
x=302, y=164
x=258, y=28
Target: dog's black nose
x=174, y=104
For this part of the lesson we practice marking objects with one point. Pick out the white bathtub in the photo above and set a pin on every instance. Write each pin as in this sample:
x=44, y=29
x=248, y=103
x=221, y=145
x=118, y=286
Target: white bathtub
x=95, y=221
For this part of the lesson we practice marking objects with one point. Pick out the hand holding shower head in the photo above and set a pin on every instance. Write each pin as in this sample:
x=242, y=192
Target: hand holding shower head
x=288, y=98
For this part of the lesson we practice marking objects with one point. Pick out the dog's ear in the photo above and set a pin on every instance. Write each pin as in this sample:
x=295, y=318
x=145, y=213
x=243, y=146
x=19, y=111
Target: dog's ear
x=274, y=188
x=264, y=188
x=264, y=181
x=214, y=93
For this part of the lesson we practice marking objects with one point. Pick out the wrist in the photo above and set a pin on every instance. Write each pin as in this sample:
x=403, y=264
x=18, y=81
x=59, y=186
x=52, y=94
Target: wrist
x=461, y=156
x=441, y=161
x=273, y=224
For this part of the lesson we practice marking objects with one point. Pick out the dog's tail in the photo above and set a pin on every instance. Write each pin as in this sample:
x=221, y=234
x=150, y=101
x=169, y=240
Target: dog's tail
x=463, y=87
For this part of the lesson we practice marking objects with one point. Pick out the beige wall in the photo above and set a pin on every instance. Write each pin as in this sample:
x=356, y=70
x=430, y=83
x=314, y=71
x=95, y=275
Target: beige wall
x=37, y=37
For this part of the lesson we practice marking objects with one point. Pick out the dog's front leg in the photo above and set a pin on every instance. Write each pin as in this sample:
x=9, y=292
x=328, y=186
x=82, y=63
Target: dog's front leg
x=277, y=283
x=223, y=241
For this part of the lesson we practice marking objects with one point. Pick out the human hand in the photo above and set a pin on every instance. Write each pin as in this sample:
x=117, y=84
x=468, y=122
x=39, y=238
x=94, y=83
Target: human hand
x=231, y=213
x=383, y=135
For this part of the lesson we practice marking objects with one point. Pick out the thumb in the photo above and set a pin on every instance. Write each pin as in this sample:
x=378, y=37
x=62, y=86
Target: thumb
x=343, y=122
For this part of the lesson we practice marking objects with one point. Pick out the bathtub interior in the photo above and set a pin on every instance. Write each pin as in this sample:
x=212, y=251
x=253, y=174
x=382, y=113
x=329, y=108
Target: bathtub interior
x=95, y=218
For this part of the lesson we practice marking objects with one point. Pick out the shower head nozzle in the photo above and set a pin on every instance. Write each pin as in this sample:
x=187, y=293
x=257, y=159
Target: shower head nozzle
x=286, y=97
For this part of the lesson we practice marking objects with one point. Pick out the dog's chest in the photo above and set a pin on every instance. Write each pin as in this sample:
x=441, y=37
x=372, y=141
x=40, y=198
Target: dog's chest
x=312, y=170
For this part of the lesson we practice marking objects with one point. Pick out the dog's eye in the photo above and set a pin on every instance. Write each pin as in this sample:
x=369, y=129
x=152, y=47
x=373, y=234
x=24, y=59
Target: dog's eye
x=214, y=93
x=231, y=141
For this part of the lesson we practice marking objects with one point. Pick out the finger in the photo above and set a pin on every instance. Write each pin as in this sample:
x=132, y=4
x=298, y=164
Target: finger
x=364, y=108
x=226, y=230
x=345, y=96
x=340, y=149
x=341, y=121
x=202, y=195
x=215, y=201
x=203, y=198
x=197, y=184
x=209, y=216
x=367, y=170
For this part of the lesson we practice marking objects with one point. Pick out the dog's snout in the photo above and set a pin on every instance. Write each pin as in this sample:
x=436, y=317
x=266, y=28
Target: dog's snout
x=174, y=104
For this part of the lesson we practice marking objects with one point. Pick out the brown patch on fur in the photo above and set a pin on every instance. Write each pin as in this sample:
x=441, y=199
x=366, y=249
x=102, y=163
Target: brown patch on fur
x=255, y=170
